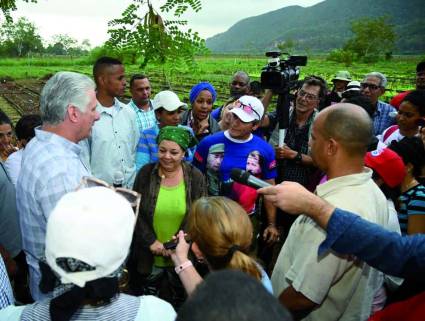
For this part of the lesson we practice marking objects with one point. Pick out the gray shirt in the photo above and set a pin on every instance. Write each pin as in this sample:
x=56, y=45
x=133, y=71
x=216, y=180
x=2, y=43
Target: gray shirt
x=10, y=233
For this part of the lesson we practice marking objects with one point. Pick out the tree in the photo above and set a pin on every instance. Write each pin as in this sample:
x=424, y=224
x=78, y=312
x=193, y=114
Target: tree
x=153, y=38
x=66, y=42
x=20, y=38
x=288, y=45
x=86, y=45
x=373, y=37
x=7, y=6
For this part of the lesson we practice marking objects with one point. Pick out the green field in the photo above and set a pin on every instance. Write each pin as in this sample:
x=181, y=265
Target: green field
x=216, y=69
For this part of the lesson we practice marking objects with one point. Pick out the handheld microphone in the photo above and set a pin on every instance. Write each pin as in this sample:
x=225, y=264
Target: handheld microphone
x=246, y=178
x=118, y=179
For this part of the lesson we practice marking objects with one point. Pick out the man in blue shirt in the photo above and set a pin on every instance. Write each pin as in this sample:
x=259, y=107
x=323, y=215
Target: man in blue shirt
x=51, y=163
x=237, y=147
x=140, y=89
x=373, y=86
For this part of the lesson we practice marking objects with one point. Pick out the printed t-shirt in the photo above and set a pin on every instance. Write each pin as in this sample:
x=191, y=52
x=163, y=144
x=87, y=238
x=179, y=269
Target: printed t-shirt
x=218, y=154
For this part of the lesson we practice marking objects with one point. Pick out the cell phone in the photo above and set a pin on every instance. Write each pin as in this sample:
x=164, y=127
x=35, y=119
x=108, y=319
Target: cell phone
x=171, y=245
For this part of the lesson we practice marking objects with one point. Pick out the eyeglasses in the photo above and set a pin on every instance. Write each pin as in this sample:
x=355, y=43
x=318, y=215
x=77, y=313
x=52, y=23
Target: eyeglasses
x=365, y=85
x=307, y=95
x=131, y=196
x=247, y=109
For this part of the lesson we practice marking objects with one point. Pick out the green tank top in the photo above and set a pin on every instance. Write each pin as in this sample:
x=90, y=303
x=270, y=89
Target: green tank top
x=168, y=216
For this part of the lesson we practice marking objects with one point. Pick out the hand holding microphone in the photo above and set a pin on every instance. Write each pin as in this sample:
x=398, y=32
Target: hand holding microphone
x=245, y=178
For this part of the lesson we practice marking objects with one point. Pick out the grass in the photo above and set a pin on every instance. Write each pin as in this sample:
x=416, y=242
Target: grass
x=216, y=69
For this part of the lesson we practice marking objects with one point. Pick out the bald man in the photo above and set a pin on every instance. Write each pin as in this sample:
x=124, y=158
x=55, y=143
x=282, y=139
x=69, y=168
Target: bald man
x=332, y=286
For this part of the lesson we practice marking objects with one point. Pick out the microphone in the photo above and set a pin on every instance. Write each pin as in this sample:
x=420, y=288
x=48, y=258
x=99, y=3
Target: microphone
x=245, y=178
x=118, y=179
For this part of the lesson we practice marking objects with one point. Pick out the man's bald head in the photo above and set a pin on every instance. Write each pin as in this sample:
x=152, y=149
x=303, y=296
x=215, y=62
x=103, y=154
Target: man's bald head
x=349, y=125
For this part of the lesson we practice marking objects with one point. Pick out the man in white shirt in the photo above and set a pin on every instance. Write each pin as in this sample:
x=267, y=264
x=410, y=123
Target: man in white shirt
x=330, y=286
x=111, y=148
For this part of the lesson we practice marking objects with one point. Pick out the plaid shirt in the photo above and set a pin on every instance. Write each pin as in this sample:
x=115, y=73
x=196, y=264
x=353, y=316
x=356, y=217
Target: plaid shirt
x=382, y=118
x=144, y=119
x=6, y=293
x=51, y=167
x=297, y=139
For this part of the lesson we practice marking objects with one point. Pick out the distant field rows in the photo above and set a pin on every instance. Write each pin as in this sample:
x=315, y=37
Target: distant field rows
x=215, y=69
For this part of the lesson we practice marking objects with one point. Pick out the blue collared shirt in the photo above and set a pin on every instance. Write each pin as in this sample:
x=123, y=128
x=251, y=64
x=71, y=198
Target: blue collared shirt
x=51, y=167
x=112, y=144
x=386, y=251
x=144, y=118
x=382, y=118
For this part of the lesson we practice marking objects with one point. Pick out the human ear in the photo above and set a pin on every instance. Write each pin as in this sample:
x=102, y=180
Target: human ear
x=332, y=147
x=73, y=113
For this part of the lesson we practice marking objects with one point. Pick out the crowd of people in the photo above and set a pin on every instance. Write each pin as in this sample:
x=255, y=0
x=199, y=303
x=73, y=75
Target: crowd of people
x=113, y=211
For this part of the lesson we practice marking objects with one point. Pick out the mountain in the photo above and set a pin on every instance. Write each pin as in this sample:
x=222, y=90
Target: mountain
x=323, y=27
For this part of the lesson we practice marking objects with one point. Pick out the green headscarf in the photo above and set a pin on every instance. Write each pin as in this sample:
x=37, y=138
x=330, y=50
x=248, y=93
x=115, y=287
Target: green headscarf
x=180, y=135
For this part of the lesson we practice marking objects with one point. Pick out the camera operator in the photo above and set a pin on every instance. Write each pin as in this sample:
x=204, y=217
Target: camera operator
x=295, y=163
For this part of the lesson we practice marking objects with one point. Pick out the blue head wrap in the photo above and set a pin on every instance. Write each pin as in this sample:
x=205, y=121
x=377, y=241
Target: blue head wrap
x=194, y=92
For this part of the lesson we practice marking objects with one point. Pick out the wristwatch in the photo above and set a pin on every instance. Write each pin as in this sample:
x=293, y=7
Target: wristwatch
x=298, y=158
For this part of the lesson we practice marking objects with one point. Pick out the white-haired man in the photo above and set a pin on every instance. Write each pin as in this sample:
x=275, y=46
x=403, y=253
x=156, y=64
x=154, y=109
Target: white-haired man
x=373, y=86
x=51, y=164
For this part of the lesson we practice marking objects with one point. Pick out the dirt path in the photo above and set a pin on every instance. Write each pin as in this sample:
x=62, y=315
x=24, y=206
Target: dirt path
x=21, y=97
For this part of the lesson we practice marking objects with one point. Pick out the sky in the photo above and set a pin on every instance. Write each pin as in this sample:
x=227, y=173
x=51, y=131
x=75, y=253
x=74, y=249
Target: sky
x=88, y=19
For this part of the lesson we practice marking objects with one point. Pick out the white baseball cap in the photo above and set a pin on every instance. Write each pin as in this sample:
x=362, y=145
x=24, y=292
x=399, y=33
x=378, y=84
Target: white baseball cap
x=167, y=100
x=353, y=86
x=248, y=109
x=93, y=225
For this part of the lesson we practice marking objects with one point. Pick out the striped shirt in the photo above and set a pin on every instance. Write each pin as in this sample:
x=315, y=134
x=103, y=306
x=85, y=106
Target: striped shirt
x=123, y=307
x=412, y=202
x=144, y=118
x=51, y=167
x=6, y=293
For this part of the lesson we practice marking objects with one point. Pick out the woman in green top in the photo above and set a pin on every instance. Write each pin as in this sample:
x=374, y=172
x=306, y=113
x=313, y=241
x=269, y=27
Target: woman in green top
x=168, y=189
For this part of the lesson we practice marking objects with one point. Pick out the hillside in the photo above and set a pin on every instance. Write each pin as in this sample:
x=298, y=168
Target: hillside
x=323, y=26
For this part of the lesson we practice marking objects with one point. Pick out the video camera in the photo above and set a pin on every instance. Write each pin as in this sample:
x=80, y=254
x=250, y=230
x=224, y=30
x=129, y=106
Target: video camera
x=280, y=75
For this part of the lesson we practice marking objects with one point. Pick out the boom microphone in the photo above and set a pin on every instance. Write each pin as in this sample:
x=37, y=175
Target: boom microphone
x=246, y=178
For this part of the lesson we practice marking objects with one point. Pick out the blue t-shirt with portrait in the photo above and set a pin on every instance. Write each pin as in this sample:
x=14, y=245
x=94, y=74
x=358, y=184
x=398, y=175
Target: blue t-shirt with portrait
x=218, y=154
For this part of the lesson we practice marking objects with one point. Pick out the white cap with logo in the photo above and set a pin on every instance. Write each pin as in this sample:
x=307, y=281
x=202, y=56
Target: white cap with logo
x=248, y=109
x=93, y=225
x=167, y=100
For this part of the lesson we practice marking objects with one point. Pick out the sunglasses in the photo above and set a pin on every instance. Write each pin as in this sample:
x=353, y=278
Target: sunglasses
x=365, y=85
x=248, y=109
x=131, y=196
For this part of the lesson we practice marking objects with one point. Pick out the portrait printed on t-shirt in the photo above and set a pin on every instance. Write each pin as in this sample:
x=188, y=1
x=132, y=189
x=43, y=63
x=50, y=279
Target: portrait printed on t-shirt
x=214, y=159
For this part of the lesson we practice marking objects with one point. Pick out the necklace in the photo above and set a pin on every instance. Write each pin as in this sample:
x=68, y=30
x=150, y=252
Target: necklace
x=163, y=176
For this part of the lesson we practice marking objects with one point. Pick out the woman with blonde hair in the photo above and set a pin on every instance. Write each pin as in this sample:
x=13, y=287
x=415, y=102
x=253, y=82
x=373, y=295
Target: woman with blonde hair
x=221, y=235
